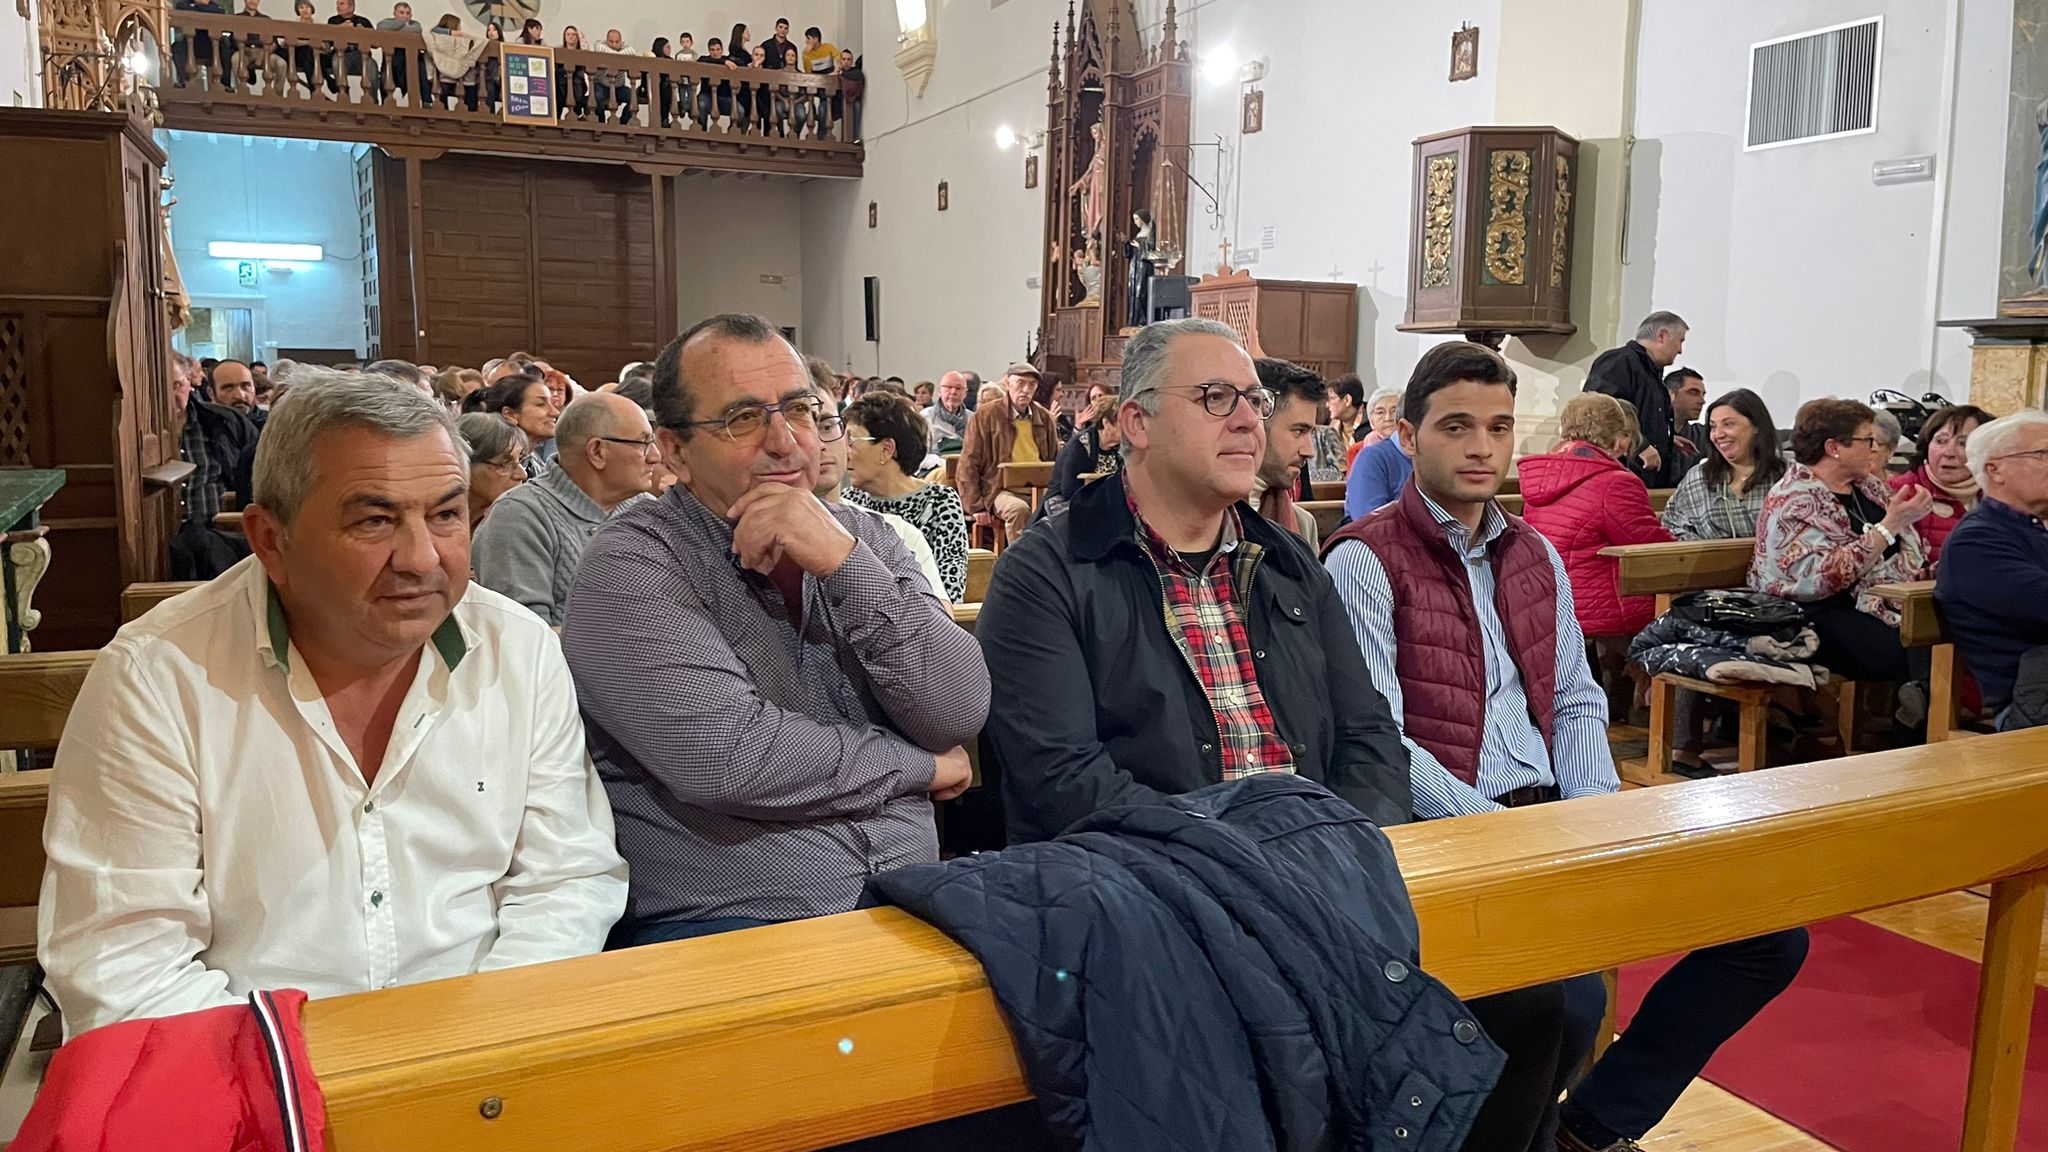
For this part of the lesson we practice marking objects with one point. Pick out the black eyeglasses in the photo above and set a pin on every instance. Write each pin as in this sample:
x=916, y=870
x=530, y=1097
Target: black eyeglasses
x=1871, y=441
x=746, y=423
x=645, y=446
x=1220, y=400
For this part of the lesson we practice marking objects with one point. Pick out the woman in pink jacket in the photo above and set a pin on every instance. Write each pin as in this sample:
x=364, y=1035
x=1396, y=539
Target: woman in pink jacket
x=1583, y=499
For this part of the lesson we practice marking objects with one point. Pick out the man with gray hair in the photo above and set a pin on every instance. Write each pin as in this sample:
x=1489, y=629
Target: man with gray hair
x=1153, y=664
x=1635, y=372
x=1992, y=582
x=341, y=765
x=530, y=545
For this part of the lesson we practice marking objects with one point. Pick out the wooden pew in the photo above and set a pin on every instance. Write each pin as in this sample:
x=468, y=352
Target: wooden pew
x=138, y=599
x=966, y=615
x=36, y=692
x=1327, y=490
x=1664, y=571
x=1512, y=501
x=1029, y=481
x=1329, y=515
x=1921, y=626
x=803, y=1035
x=980, y=564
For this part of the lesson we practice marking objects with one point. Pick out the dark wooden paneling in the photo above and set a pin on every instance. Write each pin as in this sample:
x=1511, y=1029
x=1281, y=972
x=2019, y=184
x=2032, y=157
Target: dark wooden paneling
x=557, y=259
x=81, y=311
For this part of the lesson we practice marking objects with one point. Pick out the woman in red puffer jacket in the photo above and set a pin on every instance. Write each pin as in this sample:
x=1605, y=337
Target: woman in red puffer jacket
x=1582, y=498
x=1945, y=471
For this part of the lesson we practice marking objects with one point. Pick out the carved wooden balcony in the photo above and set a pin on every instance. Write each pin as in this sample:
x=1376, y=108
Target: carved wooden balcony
x=336, y=82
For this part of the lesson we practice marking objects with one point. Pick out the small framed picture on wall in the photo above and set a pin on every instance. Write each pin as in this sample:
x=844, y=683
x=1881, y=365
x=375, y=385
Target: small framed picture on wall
x=1031, y=170
x=944, y=197
x=874, y=215
x=1464, y=53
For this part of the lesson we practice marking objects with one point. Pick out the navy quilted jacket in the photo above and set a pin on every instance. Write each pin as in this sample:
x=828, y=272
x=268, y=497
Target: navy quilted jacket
x=1232, y=970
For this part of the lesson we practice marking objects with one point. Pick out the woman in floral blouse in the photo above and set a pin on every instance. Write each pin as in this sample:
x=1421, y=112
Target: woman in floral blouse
x=1831, y=531
x=886, y=437
x=1721, y=498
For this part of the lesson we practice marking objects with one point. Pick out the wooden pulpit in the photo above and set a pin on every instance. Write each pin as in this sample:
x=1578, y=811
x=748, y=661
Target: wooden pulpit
x=1491, y=233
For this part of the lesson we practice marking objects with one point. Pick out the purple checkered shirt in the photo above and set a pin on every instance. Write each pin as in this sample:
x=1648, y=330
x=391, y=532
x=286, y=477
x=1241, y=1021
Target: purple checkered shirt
x=755, y=770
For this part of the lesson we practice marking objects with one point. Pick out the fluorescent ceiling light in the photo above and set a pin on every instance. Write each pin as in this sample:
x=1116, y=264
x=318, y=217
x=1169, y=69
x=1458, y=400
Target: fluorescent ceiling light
x=247, y=250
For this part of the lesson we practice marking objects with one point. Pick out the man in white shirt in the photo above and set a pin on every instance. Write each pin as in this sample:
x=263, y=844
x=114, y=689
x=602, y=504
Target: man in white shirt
x=340, y=765
x=615, y=85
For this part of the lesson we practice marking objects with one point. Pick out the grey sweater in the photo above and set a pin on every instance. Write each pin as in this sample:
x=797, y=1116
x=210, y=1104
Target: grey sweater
x=530, y=543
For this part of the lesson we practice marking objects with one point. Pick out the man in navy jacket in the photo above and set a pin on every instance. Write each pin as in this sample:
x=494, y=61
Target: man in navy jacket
x=1993, y=580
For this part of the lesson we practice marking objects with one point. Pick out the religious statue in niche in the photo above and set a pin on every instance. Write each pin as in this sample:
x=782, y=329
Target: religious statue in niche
x=1092, y=190
x=1088, y=266
x=1144, y=253
x=1464, y=53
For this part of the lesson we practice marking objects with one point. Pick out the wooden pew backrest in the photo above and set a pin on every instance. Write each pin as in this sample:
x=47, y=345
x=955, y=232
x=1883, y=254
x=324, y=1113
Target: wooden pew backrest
x=138, y=599
x=1329, y=515
x=36, y=692
x=980, y=564
x=803, y=1035
x=1684, y=566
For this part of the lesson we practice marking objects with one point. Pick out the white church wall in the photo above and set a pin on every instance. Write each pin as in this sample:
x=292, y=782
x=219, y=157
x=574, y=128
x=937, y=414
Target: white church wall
x=1799, y=276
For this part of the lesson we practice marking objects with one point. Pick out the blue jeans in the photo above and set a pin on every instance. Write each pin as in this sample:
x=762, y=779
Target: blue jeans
x=663, y=931
x=1688, y=1014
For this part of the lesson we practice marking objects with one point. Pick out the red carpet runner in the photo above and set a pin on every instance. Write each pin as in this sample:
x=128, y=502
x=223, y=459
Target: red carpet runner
x=1869, y=1050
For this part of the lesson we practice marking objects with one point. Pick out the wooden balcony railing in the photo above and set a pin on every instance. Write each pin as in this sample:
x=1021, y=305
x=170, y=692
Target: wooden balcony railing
x=257, y=76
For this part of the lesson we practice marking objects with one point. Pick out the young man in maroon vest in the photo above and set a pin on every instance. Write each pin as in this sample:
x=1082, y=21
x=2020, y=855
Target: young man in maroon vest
x=1464, y=614
x=1100, y=616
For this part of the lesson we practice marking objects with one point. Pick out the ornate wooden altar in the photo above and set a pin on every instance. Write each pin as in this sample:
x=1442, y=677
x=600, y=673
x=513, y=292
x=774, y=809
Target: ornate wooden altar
x=1116, y=141
x=1491, y=251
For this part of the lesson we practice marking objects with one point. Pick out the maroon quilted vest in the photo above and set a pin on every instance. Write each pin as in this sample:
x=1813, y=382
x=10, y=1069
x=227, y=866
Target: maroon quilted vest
x=1441, y=659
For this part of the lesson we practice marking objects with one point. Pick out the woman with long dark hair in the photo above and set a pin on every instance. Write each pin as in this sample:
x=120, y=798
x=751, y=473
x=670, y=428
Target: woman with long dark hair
x=739, y=53
x=1722, y=497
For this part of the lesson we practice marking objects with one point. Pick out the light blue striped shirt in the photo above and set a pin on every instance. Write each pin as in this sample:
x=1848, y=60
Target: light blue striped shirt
x=1511, y=753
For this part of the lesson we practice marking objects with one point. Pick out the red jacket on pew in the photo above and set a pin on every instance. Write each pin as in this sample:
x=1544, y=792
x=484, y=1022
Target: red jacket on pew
x=1583, y=500
x=232, y=1079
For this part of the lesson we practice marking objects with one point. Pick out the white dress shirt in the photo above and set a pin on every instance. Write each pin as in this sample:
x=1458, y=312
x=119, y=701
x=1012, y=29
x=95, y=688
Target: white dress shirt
x=1511, y=752
x=210, y=833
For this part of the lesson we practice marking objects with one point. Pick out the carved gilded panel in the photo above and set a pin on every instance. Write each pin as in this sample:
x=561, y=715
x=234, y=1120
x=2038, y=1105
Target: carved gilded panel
x=1439, y=215
x=1507, y=217
x=1560, y=219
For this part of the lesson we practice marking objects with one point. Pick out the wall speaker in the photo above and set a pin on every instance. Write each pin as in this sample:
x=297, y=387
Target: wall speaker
x=871, y=294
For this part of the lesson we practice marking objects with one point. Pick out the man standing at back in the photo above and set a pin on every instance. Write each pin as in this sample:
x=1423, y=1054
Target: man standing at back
x=1016, y=430
x=773, y=696
x=530, y=546
x=1465, y=617
x=1635, y=372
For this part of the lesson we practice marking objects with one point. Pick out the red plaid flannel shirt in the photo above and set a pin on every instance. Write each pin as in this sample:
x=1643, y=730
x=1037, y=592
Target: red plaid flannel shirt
x=1201, y=610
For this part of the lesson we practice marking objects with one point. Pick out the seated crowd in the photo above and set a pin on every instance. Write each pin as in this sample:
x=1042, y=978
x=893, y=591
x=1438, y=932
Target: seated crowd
x=758, y=694
x=453, y=62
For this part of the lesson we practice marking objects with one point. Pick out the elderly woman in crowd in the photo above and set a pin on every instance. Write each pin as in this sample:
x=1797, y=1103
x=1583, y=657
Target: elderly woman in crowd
x=453, y=385
x=1722, y=497
x=1095, y=447
x=885, y=442
x=1382, y=413
x=497, y=453
x=1582, y=498
x=1830, y=531
x=1944, y=469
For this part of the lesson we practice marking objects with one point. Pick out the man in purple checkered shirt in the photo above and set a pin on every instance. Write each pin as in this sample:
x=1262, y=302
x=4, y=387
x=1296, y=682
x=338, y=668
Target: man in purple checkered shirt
x=772, y=694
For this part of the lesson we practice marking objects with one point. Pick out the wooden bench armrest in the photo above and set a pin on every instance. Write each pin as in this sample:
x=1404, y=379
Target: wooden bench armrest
x=1920, y=623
